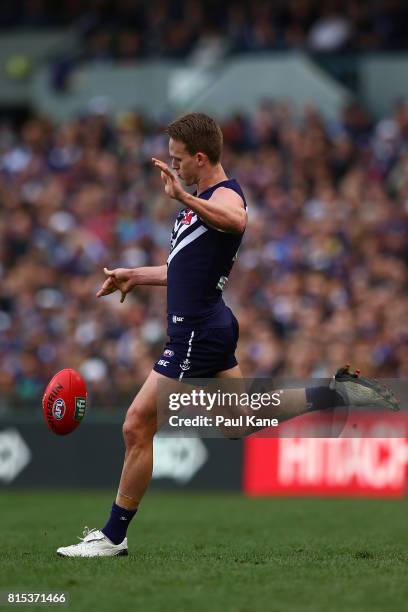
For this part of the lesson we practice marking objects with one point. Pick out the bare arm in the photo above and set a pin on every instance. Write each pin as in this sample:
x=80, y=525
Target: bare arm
x=125, y=279
x=150, y=275
x=224, y=210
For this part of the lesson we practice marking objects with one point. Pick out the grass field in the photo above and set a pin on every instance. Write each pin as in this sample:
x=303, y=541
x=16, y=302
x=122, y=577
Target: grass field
x=212, y=552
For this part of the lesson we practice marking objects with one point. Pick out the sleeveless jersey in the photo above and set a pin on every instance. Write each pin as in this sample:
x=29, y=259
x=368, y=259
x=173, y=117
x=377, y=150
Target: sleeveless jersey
x=198, y=266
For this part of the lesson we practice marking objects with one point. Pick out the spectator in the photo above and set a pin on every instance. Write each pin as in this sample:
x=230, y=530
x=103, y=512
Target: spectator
x=110, y=29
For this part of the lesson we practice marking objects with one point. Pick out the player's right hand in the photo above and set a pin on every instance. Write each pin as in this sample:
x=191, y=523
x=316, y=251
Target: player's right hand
x=119, y=279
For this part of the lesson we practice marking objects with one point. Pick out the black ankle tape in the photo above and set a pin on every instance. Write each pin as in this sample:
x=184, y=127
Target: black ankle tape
x=321, y=398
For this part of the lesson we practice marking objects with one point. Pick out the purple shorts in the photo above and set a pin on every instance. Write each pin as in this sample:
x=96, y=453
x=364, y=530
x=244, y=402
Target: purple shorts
x=199, y=353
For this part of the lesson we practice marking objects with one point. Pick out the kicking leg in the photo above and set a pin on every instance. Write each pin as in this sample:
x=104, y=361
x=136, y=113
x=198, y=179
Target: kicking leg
x=293, y=401
x=344, y=389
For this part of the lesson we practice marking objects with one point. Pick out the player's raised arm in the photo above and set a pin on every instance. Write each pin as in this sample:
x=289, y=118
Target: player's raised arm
x=125, y=279
x=224, y=210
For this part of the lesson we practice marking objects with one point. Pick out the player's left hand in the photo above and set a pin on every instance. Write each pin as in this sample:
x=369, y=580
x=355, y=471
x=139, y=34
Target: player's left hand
x=172, y=186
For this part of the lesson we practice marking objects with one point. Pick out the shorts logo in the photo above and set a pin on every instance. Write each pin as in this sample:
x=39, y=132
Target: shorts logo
x=188, y=216
x=177, y=319
x=80, y=407
x=58, y=409
x=163, y=363
x=168, y=353
x=186, y=365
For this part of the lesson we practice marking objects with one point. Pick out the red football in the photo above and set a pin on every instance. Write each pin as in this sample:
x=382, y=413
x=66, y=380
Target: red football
x=64, y=402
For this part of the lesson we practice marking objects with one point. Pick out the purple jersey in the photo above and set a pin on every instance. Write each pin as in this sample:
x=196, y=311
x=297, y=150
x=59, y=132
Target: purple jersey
x=198, y=266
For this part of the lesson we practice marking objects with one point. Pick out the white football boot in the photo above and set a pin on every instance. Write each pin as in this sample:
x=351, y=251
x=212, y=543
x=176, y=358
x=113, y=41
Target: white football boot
x=94, y=544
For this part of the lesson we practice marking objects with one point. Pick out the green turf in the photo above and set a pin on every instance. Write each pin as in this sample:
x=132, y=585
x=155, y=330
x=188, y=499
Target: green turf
x=213, y=552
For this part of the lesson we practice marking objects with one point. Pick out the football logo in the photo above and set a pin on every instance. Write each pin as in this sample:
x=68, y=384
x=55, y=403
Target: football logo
x=58, y=409
x=80, y=407
x=168, y=353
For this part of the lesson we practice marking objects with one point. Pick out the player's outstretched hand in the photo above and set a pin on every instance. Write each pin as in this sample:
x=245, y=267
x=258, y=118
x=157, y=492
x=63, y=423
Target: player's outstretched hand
x=118, y=279
x=171, y=184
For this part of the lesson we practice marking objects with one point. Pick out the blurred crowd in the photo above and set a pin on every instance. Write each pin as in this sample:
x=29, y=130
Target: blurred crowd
x=321, y=278
x=206, y=30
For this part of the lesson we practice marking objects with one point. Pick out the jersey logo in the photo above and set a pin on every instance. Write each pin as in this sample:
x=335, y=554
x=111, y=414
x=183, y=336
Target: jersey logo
x=222, y=282
x=188, y=216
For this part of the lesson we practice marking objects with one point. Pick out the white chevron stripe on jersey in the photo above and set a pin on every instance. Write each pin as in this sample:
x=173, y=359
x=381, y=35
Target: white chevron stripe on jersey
x=190, y=238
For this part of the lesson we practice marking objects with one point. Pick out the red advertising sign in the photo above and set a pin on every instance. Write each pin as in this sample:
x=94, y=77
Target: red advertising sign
x=345, y=466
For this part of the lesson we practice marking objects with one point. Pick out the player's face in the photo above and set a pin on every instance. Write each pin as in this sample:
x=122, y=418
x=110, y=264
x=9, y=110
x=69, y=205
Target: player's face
x=184, y=164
